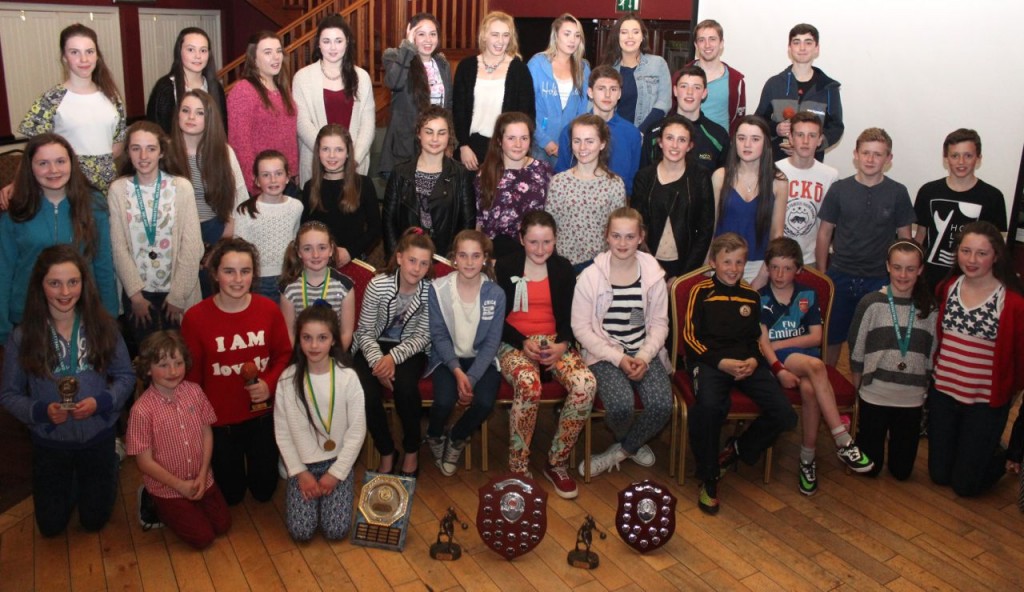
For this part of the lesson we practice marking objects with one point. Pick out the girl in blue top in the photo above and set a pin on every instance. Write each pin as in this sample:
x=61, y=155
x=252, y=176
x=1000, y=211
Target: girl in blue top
x=52, y=203
x=467, y=316
x=560, y=75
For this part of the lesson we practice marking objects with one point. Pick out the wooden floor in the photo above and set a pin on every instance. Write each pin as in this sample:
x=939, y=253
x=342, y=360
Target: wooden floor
x=857, y=533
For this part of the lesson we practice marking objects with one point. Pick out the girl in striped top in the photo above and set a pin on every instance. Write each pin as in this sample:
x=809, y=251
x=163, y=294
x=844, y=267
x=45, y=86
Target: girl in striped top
x=620, y=317
x=308, y=276
x=981, y=335
x=892, y=339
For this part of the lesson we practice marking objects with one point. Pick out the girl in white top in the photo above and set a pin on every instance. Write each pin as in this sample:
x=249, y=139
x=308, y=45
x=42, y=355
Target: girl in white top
x=332, y=89
x=154, y=235
x=87, y=109
x=269, y=220
x=320, y=424
x=582, y=197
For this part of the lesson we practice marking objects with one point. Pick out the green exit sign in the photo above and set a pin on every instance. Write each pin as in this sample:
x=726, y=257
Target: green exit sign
x=627, y=5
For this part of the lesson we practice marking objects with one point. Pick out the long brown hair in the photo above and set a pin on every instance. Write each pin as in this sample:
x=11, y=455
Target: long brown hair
x=317, y=313
x=493, y=166
x=37, y=354
x=211, y=156
x=292, y=267
x=603, y=134
x=413, y=238
x=352, y=182
x=232, y=245
x=250, y=206
x=27, y=197
x=418, y=82
x=486, y=245
x=612, y=50
x=283, y=79
x=209, y=72
x=101, y=75
x=767, y=174
x=922, y=296
x=1002, y=267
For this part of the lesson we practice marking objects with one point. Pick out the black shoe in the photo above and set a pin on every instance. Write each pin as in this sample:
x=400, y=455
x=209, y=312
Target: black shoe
x=148, y=517
x=413, y=474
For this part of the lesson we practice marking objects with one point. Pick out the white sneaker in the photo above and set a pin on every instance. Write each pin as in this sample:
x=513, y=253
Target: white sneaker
x=604, y=462
x=644, y=456
x=449, y=463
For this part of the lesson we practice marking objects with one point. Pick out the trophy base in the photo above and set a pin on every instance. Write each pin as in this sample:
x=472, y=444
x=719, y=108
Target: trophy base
x=583, y=559
x=445, y=551
x=68, y=406
x=254, y=407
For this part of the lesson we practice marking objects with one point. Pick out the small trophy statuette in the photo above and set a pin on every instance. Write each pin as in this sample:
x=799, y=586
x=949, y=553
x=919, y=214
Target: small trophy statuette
x=583, y=557
x=251, y=375
x=446, y=549
x=67, y=388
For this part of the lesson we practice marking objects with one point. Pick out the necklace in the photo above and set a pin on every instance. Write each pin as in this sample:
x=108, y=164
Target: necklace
x=329, y=445
x=149, y=224
x=489, y=68
x=902, y=339
x=328, y=76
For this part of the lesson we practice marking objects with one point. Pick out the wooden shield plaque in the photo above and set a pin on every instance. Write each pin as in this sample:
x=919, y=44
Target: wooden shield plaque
x=512, y=515
x=646, y=517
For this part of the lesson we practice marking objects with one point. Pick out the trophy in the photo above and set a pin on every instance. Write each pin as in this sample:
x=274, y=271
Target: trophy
x=448, y=549
x=512, y=516
x=67, y=388
x=383, y=517
x=251, y=375
x=646, y=517
x=585, y=558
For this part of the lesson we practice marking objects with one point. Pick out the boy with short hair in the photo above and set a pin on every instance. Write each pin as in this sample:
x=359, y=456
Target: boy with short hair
x=791, y=344
x=945, y=206
x=710, y=140
x=727, y=89
x=801, y=87
x=721, y=335
x=809, y=181
x=605, y=89
x=864, y=212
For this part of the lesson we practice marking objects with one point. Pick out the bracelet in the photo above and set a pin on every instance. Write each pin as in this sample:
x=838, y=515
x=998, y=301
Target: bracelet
x=777, y=367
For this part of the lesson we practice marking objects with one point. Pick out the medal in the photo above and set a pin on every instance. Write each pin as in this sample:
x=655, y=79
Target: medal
x=901, y=366
x=149, y=224
x=902, y=339
x=152, y=255
x=329, y=445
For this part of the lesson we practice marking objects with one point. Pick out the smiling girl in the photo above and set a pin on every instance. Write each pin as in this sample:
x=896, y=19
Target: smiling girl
x=646, y=81
x=333, y=90
x=419, y=76
x=192, y=68
x=86, y=108
x=581, y=198
x=261, y=112
x=892, y=340
x=154, y=235
x=433, y=191
x=239, y=346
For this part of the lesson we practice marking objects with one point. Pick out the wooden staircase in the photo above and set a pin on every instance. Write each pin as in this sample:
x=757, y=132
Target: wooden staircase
x=376, y=25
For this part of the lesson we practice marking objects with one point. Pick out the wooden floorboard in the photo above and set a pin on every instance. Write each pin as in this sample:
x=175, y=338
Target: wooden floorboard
x=857, y=533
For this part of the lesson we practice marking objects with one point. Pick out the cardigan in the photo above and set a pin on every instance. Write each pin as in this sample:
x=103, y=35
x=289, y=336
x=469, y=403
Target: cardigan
x=378, y=308
x=26, y=397
x=308, y=90
x=562, y=284
x=162, y=107
x=488, y=330
x=518, y=94
x=300, y=444
x=399, y=139
x=252, y=128
x=187, y=248
x=21, y=243
x=359, y=231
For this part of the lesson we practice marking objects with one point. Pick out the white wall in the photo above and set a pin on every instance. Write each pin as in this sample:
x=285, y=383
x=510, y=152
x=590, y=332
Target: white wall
x=918, y=69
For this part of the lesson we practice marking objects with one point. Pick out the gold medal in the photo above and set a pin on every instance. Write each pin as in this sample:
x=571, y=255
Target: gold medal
x=329, y=445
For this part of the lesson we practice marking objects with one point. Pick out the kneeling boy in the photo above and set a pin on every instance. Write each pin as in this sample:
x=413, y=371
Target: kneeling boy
x=721, y=334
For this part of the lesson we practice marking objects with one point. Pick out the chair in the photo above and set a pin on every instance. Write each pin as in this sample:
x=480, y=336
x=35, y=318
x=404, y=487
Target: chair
x=9, y=163
x=742, y=408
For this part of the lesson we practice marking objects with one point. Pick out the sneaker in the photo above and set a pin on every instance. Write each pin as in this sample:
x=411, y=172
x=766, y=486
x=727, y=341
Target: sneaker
x=449, y=462
x=437, y=448
x=119, y=449
x=707, y=499
x=728, y=456
x=644, y=456
x=808, y=478
x=148, y=517
x=565, y=486
x=854, y=459
x=606, y=461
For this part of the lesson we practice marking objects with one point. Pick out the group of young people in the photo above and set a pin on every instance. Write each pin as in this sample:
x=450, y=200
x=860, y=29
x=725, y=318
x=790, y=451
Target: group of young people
x=246, y=333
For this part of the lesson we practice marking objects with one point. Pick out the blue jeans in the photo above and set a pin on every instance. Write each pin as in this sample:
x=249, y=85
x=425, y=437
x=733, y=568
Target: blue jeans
x=446, y=395
x=849, y=290
x=60, y=478
x=267, y=286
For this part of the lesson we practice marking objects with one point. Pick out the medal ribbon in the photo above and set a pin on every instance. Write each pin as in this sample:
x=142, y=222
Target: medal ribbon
x=149, y=225
x=73, y=345
x=316, y=406
x=323, y=294
x=902, y=340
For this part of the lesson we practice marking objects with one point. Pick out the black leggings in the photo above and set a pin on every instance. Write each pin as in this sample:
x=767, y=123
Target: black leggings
x=901, y=426
x=245, y=457
x=408, y=403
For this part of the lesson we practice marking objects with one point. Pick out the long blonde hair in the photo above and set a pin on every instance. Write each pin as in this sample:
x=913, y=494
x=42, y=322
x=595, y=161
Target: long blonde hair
x=576, y=60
